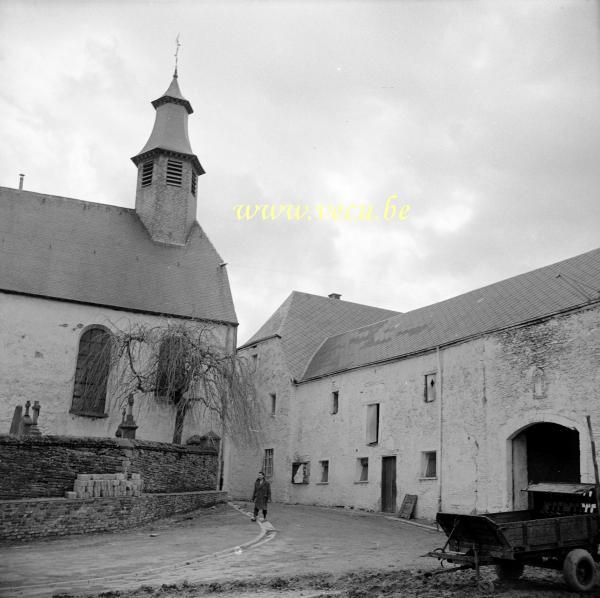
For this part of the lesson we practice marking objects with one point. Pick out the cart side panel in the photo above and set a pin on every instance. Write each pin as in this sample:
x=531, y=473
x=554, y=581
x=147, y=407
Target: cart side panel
x=550, y=533
x=469, y=531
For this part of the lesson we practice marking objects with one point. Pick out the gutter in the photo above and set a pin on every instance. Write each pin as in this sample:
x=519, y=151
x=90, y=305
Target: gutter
x=439, y=465
x=133, y=310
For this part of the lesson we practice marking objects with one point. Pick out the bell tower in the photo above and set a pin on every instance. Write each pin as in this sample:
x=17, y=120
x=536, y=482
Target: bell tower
x=168, y=171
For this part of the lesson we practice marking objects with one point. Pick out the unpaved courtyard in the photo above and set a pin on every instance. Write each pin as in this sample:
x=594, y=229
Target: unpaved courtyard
x=313, y=553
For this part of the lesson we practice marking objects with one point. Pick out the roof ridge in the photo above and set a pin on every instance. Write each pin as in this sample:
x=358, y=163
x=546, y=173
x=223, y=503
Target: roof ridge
x=64, y=197
x=327, y=298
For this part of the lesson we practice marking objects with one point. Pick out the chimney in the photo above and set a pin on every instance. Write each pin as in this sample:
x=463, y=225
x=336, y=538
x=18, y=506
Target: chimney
x=334, y=296
x=21, y=177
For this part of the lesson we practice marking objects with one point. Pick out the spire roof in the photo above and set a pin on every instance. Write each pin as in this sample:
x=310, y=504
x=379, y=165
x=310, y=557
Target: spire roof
x=173, y=93
x=170, y=132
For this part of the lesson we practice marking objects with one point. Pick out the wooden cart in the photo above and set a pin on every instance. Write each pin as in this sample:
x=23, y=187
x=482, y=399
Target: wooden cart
x=559, y=531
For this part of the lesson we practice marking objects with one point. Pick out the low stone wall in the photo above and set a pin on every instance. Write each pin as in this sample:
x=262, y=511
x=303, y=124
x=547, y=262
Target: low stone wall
x=47, y=466
x=22, y=520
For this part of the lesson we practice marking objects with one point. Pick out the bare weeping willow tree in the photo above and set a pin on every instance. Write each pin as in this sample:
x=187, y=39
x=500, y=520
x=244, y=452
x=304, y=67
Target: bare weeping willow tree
x=178, y=364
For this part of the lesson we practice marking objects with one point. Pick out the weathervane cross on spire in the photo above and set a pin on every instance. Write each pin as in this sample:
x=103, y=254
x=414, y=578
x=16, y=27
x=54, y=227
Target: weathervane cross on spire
x=177, y=46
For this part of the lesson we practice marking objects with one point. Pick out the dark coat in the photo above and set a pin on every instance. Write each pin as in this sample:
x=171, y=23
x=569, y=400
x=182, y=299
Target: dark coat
x=262, y=494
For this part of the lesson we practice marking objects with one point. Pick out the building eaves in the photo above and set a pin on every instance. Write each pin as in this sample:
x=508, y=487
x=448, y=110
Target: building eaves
x=542, y=293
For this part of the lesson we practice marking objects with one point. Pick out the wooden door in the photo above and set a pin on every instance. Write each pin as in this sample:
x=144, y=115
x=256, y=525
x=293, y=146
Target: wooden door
x=388, y=484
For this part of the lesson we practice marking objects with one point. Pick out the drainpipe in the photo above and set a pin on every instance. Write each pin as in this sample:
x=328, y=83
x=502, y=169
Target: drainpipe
x=223, y=465
x=440, y=388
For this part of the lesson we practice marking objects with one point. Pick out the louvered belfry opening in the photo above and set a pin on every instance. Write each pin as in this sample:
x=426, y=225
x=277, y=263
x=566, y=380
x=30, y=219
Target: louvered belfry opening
x=147, y=170
x=194, y=181
x=174, y=172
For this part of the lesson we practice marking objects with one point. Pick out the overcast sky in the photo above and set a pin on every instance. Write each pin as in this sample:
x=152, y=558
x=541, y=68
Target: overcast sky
x=483, y=117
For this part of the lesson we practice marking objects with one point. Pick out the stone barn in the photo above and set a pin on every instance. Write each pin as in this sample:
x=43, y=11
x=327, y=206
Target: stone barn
x=461, y=403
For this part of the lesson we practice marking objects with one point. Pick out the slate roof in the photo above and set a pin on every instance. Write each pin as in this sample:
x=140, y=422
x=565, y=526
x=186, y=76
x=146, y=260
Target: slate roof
x=101, y=254
x=537, y=294
x=170, y=131
x=304, y=321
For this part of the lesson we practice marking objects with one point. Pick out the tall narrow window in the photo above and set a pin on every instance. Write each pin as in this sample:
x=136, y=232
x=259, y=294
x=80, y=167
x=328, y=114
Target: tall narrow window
x=430, y=383
x=174, y=172
x=268, y=463
x=273, y=403
x=147, y=170
x=335, y=398
x=91, y=373
x=170, y=368
x=362, y=469
x=373, y=423
x=194, y=181
x=324, y=471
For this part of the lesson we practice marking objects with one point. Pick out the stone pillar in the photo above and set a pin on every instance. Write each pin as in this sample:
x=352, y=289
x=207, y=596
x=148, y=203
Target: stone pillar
x=16, y=427
x=33, y=429
x=27, y=421
x=128, y=425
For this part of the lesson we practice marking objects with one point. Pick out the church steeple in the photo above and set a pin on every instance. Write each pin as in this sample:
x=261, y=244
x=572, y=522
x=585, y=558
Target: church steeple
x=168, y=171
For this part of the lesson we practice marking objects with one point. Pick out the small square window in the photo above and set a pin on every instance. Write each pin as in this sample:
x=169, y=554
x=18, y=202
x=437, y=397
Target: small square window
x=273, y=403
x=429, y=464
x=430, y=384
x=324, y=471
x=362, y=469
x=335, y=398
x=300, y=472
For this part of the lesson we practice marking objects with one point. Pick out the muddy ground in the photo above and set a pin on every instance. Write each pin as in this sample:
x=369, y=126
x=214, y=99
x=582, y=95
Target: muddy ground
x=535, y=583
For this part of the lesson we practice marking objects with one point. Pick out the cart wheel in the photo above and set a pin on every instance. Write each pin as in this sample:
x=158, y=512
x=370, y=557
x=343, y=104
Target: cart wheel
x=509, y=569
x=579, y=570
x=486, y=586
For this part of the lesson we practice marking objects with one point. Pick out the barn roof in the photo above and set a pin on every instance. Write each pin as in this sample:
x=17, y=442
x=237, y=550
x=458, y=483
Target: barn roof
x=534, y=295
x=304, y=321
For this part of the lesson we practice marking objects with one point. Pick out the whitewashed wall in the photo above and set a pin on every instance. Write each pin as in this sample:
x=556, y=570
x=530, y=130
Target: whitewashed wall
x=487, y=398
x=38, y=355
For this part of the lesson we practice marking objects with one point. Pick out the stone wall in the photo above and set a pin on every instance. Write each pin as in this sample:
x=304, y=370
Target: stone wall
x=22, y=520
x=47, y=466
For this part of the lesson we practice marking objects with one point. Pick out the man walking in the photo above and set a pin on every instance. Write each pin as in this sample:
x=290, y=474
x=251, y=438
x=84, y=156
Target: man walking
x=261, y=495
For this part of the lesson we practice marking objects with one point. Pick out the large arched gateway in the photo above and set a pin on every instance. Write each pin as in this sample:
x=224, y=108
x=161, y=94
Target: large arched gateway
x=543, y=452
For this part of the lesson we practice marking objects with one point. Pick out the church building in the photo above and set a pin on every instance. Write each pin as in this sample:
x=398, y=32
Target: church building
x=73, y=271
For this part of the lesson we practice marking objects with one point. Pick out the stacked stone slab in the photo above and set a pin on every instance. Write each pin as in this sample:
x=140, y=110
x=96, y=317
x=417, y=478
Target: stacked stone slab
x=95, y=485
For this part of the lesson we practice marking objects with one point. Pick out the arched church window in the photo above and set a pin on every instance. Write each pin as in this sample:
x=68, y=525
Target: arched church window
x=91, y=373
x=171, y=368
